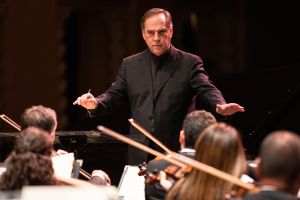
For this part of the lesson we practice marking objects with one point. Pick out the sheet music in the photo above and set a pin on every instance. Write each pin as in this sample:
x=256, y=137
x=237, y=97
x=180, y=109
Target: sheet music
x=133, y=185
x=63, y=165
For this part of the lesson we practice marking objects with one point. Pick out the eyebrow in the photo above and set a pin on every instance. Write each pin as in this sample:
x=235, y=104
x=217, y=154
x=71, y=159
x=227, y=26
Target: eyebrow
x=150, y=30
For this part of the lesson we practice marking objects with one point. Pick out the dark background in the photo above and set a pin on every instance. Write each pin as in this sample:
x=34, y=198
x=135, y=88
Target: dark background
x=53, y=51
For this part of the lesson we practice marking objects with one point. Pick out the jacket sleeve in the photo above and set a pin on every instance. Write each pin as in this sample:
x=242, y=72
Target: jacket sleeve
x=207, y=94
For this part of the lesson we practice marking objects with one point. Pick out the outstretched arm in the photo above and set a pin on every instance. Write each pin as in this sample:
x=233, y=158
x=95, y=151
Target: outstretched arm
x=209, y=94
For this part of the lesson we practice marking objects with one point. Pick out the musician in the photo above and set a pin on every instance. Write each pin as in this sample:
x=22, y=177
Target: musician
x=161, y=84
x=278, y=167
x=30, y=163
x=218, y=146
x=45, y=119
x=193, y=125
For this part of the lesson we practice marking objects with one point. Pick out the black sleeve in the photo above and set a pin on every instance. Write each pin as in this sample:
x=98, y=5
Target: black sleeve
x=207, y=94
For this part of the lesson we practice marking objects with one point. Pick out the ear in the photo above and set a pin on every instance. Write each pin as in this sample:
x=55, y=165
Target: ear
x=52, y=135
x=181, y=137
x=171, y=32
x=257, y=161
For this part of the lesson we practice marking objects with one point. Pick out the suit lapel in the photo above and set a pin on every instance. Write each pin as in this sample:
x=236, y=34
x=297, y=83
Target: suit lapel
x=145, y=69
x=168, y=69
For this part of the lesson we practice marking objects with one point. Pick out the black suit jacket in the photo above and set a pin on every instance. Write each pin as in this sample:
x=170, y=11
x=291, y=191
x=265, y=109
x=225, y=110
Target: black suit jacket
x=156, y=191
x=182, y=78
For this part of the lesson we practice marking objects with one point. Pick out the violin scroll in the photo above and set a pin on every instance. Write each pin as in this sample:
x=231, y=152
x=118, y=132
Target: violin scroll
x=143, y=168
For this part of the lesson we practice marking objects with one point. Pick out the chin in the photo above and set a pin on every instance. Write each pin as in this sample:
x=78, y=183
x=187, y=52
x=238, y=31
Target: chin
x=158, y=53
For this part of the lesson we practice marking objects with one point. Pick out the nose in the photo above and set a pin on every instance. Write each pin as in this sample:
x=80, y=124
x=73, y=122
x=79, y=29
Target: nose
x=156, y=36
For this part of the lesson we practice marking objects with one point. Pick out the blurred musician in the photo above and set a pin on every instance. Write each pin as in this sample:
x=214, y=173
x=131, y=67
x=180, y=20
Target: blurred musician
x=193, y=125
x=45, y=119
x=218, y=146
x=278, y=167
x=30, y=163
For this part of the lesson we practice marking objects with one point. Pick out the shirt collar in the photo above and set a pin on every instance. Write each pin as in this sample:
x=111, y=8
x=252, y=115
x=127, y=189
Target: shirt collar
x=268, y=188
x=160, y=58
x=187, y=150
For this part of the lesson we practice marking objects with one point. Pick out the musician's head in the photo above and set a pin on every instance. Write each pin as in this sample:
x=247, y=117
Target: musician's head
x=278, y=163
x=157, y=30
x=218, y=146
x=193, y=125
x=30, y=162
x=40, y=117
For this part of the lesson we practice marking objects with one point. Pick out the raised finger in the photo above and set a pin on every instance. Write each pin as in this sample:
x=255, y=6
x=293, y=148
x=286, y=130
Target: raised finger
x=75, y=102
x=239, y=109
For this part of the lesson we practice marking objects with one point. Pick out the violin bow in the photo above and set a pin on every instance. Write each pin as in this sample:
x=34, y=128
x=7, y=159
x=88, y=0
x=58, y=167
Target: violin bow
x=149, y=135
x=10, y=122
x=184, y=161
x=18, y=127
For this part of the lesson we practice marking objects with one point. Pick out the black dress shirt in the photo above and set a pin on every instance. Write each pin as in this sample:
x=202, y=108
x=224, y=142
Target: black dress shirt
x=157, y=64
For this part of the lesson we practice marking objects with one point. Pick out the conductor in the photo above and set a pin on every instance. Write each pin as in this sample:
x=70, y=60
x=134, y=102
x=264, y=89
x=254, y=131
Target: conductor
x=161, y=85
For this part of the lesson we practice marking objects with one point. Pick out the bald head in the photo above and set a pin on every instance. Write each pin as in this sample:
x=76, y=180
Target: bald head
x=280, y=156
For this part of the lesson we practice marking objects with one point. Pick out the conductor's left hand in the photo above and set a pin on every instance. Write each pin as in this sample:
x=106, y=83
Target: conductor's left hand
x=229, y=109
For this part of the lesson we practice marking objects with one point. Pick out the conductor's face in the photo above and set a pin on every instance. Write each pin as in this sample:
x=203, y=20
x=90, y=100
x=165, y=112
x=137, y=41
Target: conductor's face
x=157, y=35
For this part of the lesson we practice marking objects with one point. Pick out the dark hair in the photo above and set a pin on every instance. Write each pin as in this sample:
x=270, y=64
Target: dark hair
x=30, y=162
x=280, y=156
x=194, y=124
x=155, y=11
x=219, y=146
x=40, y=117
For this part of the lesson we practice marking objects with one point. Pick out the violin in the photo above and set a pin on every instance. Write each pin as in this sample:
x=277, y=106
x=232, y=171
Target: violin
x=173, y=172
x=18, y=127
x=183, y=161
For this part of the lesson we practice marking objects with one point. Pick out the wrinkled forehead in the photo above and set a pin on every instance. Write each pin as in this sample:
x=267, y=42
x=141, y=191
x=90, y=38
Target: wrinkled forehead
x=156, y=22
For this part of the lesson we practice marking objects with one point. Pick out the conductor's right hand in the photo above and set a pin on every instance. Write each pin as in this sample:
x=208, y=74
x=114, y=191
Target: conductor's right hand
x=87, y=100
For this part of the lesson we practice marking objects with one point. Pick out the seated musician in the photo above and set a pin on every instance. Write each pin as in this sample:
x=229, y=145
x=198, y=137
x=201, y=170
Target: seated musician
x=30, y=163
x=193, y=124
x=278, y=167
x=218, y=146
x=45, y=118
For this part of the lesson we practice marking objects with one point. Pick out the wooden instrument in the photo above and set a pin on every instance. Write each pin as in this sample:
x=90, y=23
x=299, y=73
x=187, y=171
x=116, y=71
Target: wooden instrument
x=142, y=168
x=183, y=161
x=16, y=126
x=174, y=172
